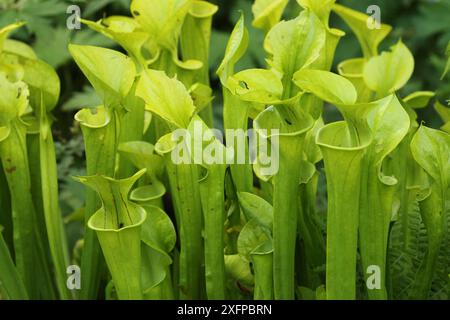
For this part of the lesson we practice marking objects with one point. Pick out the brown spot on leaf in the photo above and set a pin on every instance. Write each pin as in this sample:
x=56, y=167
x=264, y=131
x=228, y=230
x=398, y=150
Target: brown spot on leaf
x=10, y=170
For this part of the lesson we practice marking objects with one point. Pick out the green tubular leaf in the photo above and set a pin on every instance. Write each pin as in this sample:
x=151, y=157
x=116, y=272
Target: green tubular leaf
x=93, y=118
x=326, y=85
x=389, y=71
x=213, y=204
x=5, y=31
x=235, y=110
x=447, y=66
x=195, y=45
x=389, y=124
x=294, y=45
x=111, y=84
x=19, y=48
x=262, y=259
x=256, y=85
x=292, y=125
x=166, y=97
x=343, y=206
x=143, y=156
x=431, y=149
x=53, y=220
x=311, y=149
x=236, y=47
x=184, y=188
x=239, y=270
x=325, y=60
x=163, y=20
x=369, y=39
x=255, y=245
x=131, y=124
x=126, y=32
x=148, y=193
x=352, y=70
x=99, y=128
x=419, y=99
x=321, y=8
x=122, y=250
x=202, y=96
x=213, y=155
x=267, y=13
x=113, y=194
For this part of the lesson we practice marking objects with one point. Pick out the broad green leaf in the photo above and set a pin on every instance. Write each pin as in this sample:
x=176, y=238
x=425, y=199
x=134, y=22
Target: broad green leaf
x=158, y=231
x=256, y=208
x=431, y=149
x=195, y=46
x=295, y=44
x=419, y=99
x=251, y=237
x=110, y=72
x=256, y=85
x=202, y=96
x=343, y=165
x=369, y=39
x=236, y=47
x=326, y=57
x=326, y=85
x=389, y=71
x=41, y=77
x=202, y=9
x=125, y=31
x=166, y=97
x=267, y=13
x=161, y=19
x=19, y=48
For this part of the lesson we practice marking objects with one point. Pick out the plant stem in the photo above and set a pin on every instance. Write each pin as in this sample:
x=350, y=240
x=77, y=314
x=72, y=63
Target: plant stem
x=100, y=146
x=186, y=198
x=213, y=203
